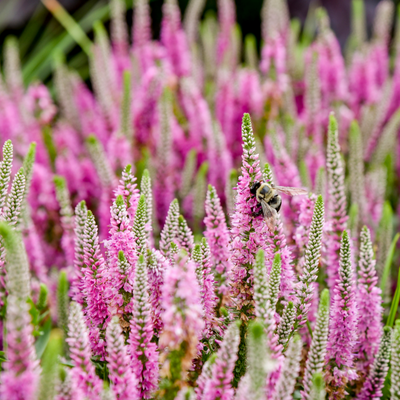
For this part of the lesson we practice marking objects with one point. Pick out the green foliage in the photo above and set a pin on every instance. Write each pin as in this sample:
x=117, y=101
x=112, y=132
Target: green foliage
x=169, y=387
x=395, y=303
x=42, y=299
x=388, y=263
x=126, y=128
x=63, y=302
x=48, y=140
x=256, y=350
x=49, y=366
x=241, y=364
x=38, y=311
x=42, y=340
x=318, y=387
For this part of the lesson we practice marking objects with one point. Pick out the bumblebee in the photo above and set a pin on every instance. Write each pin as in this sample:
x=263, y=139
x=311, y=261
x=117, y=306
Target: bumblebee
x=268, y=196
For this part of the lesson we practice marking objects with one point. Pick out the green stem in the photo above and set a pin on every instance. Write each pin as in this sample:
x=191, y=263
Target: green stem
x=309, y=328
x=389, y=259
x=65, y=19
x=395, y=303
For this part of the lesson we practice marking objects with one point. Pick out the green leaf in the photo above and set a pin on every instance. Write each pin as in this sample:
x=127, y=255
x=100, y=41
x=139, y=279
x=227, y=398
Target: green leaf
x=388, y=263
x=2, y=359
x=43, y=339
x=395, y=303
x=34, y=312
x=50, y=145
x=39, y=66
x=42, y=300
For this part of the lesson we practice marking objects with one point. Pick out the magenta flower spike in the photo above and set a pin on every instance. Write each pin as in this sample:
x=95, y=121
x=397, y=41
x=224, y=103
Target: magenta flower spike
x=218, y=154
x=373, y=386
x=127, y=188
x=303, y=228
x=163, y=184
x=342, y=339
x=119, y=31
x=67, y=218
x=205, y=278
x=198, y=115
x=174, y=39
x=306, y=281
x=312, y=97
x=225, y=102
x=67, y=390
x=217, y=235
x=218, y=385
x=77, y=283
x=144, y=354
x=20, y=377
x=249, y=230
x=157, y=265
x=106, y=177
x=142, y=24
x=336, y=202
x=95, y=282
x=182, y=315
x=276, y=243
x=287, y=174
x=120, y=374
x=369, y=301
x=331, y=67
x=83, y=372
x=226, y=16
x=122, y=238
x=273, y=60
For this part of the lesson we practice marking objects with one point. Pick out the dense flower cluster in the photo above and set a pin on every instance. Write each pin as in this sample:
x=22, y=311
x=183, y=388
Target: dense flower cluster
x=136, y=264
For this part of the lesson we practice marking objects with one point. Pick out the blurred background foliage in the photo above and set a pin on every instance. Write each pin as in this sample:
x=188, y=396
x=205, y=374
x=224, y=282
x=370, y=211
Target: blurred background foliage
x=42, y=38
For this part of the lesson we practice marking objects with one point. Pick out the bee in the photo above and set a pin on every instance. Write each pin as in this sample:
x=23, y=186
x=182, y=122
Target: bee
x=267, y=195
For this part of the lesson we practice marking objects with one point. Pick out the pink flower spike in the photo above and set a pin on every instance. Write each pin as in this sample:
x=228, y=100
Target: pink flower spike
x=96, y=279
x=217, y=235
x=83, y=372
x=369, y=301
x=249, y=230
x=121, y=376
x=339, y=360
x=143, y=352
x=127, y=188
x=336, y=202
x=182, y=315
x=218, y=385
x=20, y=378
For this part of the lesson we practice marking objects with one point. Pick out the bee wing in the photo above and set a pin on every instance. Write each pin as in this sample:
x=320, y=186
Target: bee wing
x=292, y=191
x=269, y=215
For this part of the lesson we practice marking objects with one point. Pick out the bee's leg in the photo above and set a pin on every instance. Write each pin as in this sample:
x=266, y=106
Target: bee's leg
x=258, y=212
